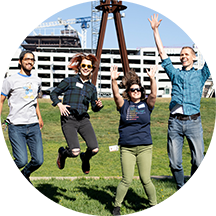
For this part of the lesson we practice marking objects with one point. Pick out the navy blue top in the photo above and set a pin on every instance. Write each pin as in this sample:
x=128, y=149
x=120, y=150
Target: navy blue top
x=134, y=126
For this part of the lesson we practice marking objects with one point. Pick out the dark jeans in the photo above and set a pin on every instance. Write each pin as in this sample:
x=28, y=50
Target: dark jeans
x=71, y=126
x=30, y=135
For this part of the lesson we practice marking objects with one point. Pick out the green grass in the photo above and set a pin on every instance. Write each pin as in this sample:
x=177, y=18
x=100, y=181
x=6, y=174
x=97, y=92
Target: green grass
x=96, y=197
x=105, y=124
x=99, y=194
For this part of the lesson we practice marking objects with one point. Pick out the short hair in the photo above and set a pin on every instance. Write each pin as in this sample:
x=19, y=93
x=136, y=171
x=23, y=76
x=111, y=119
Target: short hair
x=187, y=47
x=130, y=79
x=77, y=59
x=22, y=54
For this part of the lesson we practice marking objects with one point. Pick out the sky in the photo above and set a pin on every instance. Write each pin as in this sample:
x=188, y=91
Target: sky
x=184, y=22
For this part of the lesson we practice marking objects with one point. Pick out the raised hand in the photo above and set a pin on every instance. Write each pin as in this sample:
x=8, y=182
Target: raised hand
x=114, y=72
x=152, y=71
x=154, y=21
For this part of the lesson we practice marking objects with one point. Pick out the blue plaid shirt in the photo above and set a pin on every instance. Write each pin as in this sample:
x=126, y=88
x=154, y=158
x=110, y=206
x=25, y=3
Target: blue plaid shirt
x=76, y=94
x=187, y=86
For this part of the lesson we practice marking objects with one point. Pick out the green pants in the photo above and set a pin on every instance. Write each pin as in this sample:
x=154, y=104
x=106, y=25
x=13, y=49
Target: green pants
x=142, y=155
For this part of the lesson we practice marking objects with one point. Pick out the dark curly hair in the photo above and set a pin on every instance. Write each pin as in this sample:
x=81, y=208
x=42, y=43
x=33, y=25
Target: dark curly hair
x=130, y=79
x=22, y=54
x=77, y=59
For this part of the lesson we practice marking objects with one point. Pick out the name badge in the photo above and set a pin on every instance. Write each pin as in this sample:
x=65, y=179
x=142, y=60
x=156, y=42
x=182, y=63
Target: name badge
x=141, y=106
x=80, y=85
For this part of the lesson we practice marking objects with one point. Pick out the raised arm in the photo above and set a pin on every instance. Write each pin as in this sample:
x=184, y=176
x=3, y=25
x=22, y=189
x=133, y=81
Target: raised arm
x=152, y=96
x=155, y=24
x=117, y=97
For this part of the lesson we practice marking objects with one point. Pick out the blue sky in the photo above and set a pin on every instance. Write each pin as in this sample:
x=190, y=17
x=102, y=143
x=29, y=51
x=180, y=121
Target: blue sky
x=184, y=22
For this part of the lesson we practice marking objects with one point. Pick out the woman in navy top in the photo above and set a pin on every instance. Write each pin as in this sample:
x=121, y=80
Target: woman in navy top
x=134, y=132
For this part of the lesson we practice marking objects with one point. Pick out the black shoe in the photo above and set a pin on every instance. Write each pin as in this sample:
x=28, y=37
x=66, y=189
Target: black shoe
x=116, y=211
x=61, y=158
x=85, y=163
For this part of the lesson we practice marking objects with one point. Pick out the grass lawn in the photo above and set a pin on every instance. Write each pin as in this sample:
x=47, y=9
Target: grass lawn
x=100, y=193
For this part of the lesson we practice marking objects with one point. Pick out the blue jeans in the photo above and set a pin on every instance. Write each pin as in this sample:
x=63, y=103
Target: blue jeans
x=177, y=130
x=19, y=136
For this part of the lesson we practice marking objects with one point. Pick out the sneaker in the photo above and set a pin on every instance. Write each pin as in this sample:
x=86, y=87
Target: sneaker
x=116, y=211
x=61, y=159
x=85, y=163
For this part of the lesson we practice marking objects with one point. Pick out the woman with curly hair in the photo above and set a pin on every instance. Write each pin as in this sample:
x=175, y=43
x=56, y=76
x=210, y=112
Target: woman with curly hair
x=134, y=132
x=78, y=93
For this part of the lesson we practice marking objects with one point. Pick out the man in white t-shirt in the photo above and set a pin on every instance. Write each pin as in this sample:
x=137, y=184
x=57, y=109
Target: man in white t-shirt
x=24, y=119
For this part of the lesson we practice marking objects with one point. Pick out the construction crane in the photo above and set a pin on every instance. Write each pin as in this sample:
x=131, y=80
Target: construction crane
x=84, y=25
x=67, y=23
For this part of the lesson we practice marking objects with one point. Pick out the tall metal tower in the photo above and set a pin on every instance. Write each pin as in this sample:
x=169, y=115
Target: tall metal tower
x=95, y=24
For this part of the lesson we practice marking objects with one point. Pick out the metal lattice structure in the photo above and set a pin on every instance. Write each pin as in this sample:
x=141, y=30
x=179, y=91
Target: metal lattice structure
x=95, y=24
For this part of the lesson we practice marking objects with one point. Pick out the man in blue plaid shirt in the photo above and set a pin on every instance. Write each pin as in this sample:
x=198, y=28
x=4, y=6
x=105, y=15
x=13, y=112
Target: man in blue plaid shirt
x=185, y=120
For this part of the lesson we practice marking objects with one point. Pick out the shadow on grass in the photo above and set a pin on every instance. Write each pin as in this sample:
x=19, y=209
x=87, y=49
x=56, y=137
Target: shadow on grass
x=52, y=192
x=106, y=196
x=134, y=201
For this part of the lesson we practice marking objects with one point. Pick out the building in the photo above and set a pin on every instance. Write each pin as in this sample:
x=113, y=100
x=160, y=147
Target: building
x=51, y=66
x=51, y=61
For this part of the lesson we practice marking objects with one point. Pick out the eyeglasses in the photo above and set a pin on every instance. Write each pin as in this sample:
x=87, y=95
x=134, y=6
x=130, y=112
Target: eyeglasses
x=29, y=59
x=135, y=89
x=85, y=65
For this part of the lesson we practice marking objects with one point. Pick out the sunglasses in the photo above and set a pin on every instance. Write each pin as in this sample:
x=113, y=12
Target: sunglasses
x=85, y=65
x=135, y=89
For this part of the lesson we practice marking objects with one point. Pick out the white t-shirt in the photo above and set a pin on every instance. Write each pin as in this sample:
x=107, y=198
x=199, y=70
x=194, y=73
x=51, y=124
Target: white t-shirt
x=22, y=92
x=177, y=109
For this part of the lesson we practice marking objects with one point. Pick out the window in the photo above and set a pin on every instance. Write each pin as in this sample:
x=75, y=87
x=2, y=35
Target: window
x=105, y=69
x=43, y=75
x=151, y=62
x=44, y=67
x=164, y=80
x=105, y=86
x=134, y=61
x=146, y=79
x=117, y=60
x=162, y=71
x=45, y=84
x=149, y=53
x=43, y=58
x=105, y=60
x=58, y=67
x=105, y=77
x=59, y=76
x=59, y=59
